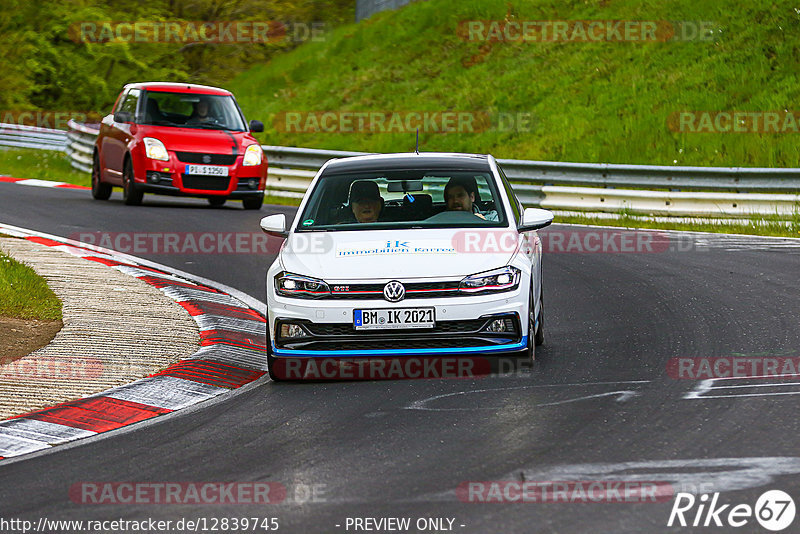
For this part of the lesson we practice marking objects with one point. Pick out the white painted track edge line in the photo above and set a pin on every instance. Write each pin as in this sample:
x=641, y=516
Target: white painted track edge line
x=681, y=232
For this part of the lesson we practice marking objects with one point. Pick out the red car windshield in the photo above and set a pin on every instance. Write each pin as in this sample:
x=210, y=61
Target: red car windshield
x=185, y=110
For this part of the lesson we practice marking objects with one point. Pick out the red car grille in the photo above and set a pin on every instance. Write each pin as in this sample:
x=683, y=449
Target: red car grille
x=209, y=183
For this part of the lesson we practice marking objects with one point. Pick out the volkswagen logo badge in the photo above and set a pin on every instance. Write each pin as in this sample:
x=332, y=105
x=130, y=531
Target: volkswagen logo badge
x=206, y=158
x=394, y=291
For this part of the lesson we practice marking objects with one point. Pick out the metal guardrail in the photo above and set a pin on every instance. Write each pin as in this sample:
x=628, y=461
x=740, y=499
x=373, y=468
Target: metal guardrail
x=21, y=136
x=367, y=8
x=714, y=192
x=735, y=179
x=80, y=146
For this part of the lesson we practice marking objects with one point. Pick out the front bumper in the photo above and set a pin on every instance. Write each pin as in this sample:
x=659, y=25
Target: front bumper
x=461, y=327
x=163, y=189
x=169, y=178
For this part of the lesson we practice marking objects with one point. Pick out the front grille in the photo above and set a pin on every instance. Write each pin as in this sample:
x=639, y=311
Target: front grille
x=417, y=290
x=210, y=183
x=197, y=157
x=346, y=329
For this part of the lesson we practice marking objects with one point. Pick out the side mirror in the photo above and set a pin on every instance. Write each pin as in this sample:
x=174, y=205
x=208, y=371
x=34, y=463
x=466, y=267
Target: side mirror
x=256, y=126
x=534, y=219
x=123, y=116
x=275, y=225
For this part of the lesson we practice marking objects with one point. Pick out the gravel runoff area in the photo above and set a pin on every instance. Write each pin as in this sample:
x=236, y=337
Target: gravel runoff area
x=117, y=329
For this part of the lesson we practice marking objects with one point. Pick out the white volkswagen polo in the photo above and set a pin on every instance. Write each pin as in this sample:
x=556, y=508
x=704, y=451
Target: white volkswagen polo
x=406, y=255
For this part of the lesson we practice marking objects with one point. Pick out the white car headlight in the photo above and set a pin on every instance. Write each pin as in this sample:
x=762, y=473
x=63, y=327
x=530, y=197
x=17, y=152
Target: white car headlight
x=294, y=285
x=503, y=279
x=253, y=156
x=155, y=149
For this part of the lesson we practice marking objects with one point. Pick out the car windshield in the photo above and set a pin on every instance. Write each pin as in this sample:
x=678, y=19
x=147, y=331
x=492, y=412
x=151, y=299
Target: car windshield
x=437, y=198
x=185, y=110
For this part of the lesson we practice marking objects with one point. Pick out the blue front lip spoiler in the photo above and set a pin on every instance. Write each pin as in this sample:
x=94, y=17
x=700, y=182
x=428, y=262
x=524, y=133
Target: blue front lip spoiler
x=402, y=352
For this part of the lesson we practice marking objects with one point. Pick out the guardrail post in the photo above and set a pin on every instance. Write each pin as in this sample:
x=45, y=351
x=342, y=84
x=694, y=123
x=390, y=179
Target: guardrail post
x=81, y=145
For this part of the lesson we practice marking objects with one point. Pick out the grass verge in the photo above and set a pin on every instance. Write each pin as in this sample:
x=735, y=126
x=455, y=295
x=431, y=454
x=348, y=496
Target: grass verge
x=50, y=165
x=587, y=101
x=24, y=294
x=281, y=201
x=754, y=225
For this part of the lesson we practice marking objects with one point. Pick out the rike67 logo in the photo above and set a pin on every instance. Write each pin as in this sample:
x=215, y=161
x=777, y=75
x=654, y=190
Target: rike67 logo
x=774, y=510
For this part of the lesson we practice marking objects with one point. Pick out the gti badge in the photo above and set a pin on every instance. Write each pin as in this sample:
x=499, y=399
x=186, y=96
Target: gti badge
x=394, y=291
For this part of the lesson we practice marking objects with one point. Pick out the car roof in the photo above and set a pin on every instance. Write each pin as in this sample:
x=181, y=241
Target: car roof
x=409, y=161
x=171, y=87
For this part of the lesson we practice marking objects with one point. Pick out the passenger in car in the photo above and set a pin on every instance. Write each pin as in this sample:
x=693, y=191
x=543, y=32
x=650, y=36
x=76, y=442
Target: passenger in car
x=460, y=194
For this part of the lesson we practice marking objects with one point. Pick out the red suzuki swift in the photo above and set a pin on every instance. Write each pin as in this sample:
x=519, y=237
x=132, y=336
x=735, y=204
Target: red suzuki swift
x=179, y=139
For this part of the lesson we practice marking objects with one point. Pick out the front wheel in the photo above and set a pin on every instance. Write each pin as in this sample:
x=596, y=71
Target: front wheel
x=271, y=368
x=273, y=375
x=530, y=350
x=131, y=194
x=539, y=338
x=253, y=203
x=100, y=190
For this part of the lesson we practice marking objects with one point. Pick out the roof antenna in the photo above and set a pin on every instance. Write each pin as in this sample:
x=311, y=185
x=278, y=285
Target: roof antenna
x=417, y=147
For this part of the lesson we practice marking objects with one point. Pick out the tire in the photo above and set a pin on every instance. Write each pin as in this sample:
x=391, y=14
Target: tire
x=530, y=351
x=271, y=360
x=539, y=338
x=253, y=203
x=217, y=202
x=100, y=190
x=131, y=195
x=271, y=368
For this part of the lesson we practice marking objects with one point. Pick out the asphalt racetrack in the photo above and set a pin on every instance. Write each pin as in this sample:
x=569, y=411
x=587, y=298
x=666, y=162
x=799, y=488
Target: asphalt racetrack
x=602, y=403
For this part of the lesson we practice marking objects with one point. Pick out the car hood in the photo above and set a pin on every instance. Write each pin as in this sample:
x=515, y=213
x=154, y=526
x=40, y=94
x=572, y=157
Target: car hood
x=390, y=254
x=195, y=140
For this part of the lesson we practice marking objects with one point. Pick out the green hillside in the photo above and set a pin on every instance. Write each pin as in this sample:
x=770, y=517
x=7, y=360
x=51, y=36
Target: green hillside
x=589, y=101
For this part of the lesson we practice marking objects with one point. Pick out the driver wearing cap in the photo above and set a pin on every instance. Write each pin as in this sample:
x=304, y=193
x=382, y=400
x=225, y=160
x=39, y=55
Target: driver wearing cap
x=365, y=201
